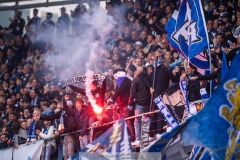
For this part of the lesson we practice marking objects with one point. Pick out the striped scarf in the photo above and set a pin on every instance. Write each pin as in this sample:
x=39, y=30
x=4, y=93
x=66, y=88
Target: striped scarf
x=32, y=131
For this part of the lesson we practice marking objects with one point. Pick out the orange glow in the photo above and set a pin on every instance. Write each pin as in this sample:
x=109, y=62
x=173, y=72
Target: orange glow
x=97, y=109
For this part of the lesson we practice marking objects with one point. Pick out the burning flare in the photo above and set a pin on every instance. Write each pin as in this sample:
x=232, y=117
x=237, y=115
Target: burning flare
x=97, y=109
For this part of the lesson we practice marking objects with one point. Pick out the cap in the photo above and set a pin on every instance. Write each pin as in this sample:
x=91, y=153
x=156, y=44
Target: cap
x=12, y=79
x=138, y=43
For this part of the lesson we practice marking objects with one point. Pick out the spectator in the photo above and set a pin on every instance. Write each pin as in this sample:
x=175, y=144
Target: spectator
x=35, y=21
x=63, y=22
x=163, y=77
x=139, y=101
x=121, y=96
x=97, y=92
x=193, y=86
x=17, y=24
x=4, y=141
x=46, y=28
x=35, y=99
x=67, y=124
x=35, y=124
x=83, y=114
x=47, y=134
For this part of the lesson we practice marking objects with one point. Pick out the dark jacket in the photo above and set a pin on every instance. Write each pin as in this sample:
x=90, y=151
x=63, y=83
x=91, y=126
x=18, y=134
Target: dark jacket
x=194, y=89
x=82, y=118
x=69, y=119
x=4, y=145
x=216, y=75
x=122, y=93
x=163, y=76
x=99, y=93
x=140, y=93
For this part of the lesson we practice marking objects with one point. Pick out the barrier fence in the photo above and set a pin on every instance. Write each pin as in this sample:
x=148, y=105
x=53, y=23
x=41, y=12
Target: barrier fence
x=69, y=143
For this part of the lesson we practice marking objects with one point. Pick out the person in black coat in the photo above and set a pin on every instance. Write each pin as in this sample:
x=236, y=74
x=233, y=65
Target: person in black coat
x=162, y=81
x=17, y=24
x=97, y=92
x=140, y=100
x=215, y=76
x=4, y=141
x=193, y=86
x=121, y=97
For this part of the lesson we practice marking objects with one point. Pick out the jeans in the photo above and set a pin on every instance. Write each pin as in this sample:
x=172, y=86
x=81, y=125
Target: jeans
x=48, y=149
x=68, y=146
x=60, y=149
x=130, y=123
x=84, y=142
x=137, y=122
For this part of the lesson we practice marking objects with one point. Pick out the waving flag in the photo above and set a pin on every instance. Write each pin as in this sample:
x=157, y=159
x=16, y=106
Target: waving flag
x=168, y=146
x=187, y=32
x=113, y=144
x=217, y=126
x=200, y=153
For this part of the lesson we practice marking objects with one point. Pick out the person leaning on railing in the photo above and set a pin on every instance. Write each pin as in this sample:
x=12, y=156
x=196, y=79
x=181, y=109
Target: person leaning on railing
x=67, y=124
x=4, y=141
x=46, y=134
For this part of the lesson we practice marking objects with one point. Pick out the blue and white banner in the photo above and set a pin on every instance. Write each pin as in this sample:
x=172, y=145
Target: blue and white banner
x=217, y=127
x=24, y=152
x=187, y=32
x=165, y=111
x=200, y=153
x=113, y=144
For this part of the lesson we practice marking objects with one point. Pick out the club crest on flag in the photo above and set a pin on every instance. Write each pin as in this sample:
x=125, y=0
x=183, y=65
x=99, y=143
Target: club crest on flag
x=113, y=144
x=186, y=29
x=232, y=116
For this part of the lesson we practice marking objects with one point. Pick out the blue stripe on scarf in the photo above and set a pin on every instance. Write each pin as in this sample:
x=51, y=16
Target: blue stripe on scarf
x=119, y=81
x=32, y=131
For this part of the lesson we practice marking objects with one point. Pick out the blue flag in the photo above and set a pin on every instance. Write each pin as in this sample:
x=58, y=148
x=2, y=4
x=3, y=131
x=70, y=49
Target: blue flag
x=113, y=144
x=224, y=66
x=168, y=146
x=217, y=125
x=200, y=153
x=187, y=32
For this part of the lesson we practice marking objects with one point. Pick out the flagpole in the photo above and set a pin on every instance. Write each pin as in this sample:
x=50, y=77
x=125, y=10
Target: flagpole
x=209, y=52
x=153, y=84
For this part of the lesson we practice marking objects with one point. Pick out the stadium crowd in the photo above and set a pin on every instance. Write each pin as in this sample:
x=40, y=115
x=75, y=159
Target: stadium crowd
x=34, y=105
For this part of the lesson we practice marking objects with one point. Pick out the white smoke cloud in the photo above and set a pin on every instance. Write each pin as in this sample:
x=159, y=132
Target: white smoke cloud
x=81, y=54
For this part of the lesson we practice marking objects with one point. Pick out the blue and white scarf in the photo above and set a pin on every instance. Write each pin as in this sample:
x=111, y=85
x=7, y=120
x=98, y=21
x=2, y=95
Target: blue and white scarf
x=32, y=131
x=119, y=81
